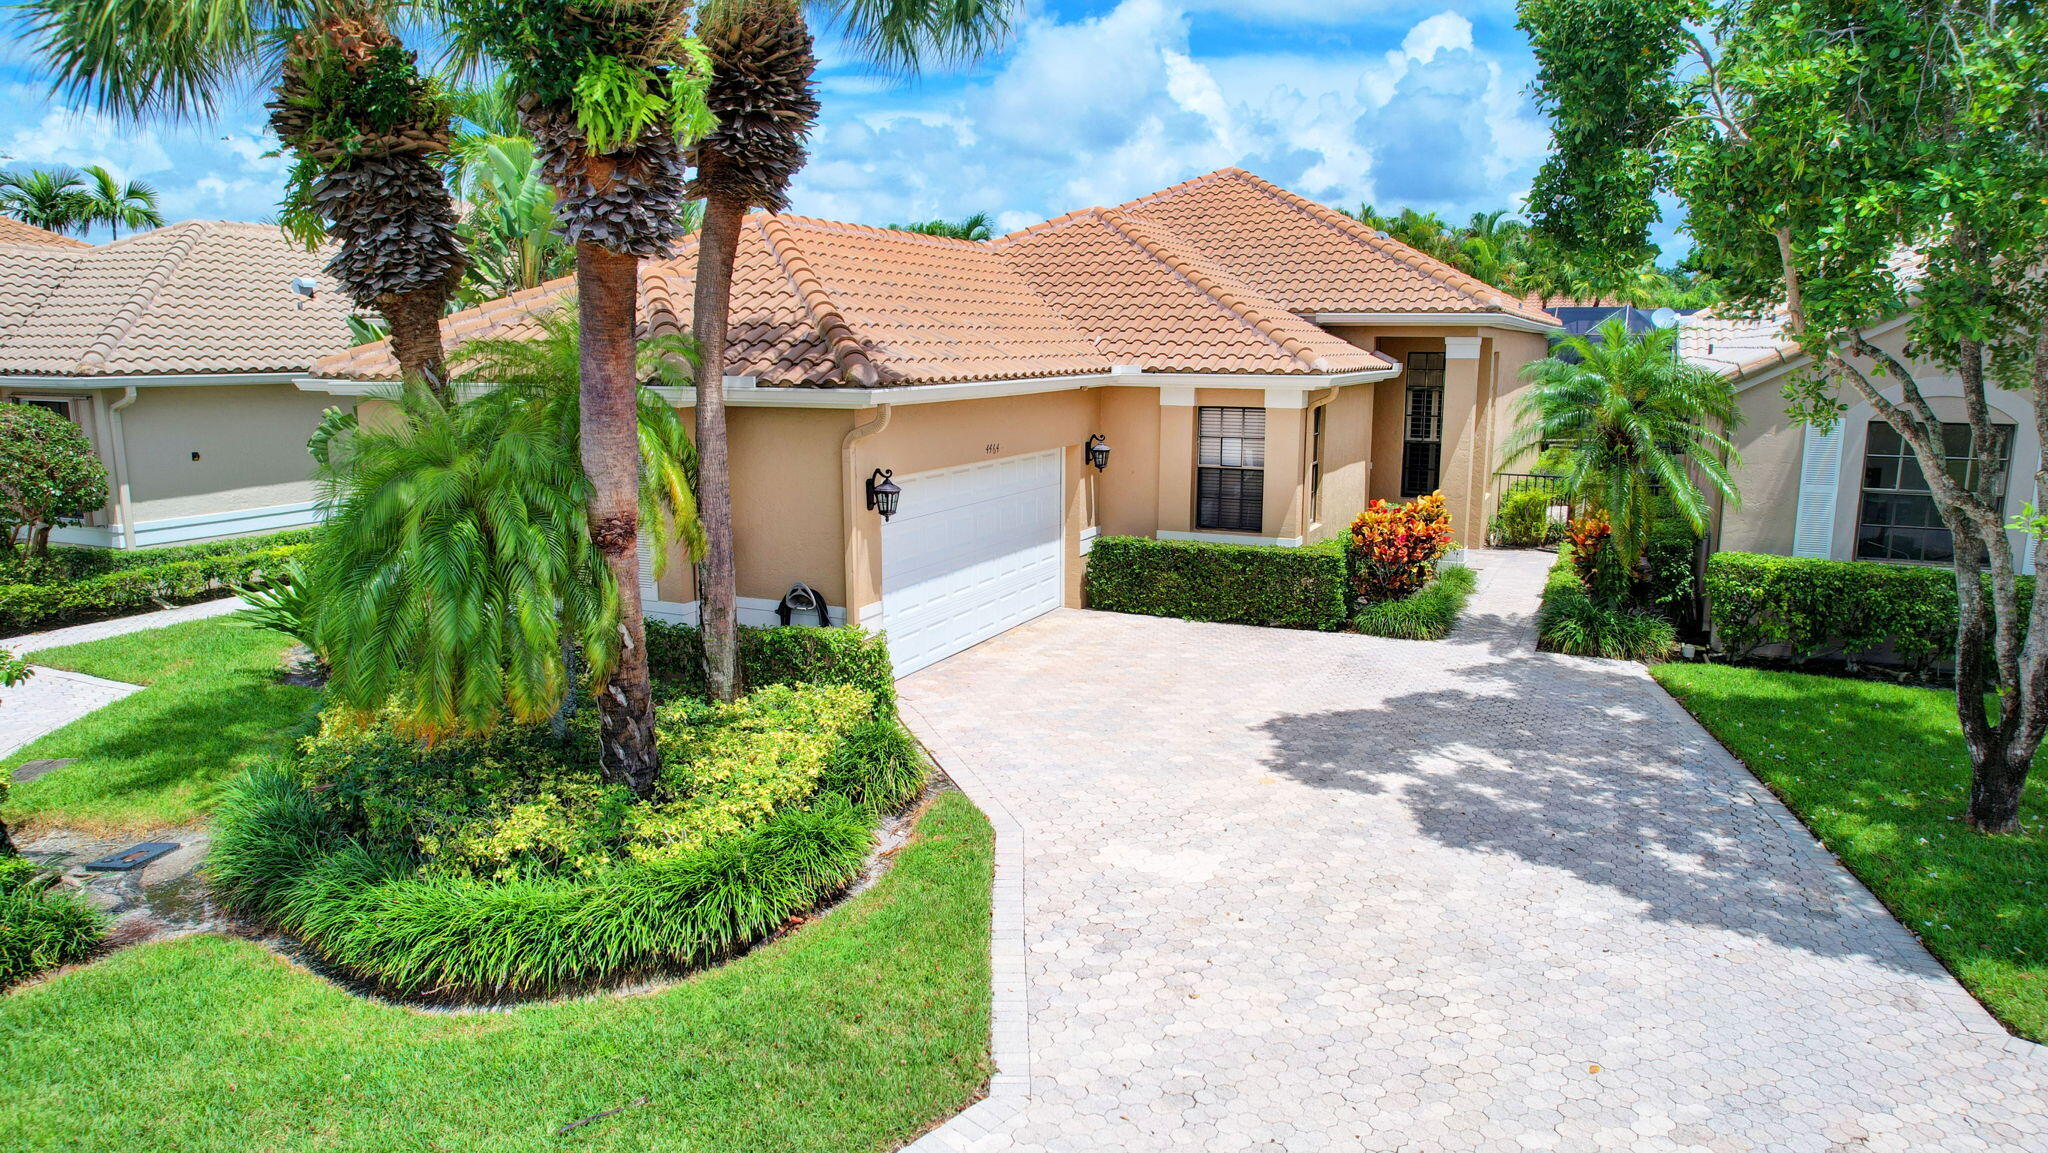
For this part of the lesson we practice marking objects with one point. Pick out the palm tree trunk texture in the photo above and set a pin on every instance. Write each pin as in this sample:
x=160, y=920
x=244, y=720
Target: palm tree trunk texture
x=716, y=592
x=415, y=320
x=607, y=306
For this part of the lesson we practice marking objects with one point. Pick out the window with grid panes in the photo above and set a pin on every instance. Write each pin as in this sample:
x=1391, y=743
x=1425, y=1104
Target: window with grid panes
x=1230, y=476
x=1422, y=426
x=1898, y=520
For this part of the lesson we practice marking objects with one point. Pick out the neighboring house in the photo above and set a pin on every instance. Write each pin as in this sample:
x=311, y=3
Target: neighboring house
x=1854, y=492
x=1260, y=366
x=175, y=351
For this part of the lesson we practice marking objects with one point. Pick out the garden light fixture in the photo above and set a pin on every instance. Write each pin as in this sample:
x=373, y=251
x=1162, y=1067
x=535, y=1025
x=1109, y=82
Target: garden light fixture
x=1098, y=451
x=883, y=493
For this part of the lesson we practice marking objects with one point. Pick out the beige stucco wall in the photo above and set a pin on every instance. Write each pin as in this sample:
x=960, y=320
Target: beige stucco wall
x=1771, y=446
x=251, y=441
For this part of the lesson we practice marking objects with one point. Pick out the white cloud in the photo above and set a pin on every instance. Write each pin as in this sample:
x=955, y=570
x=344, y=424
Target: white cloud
x=1101, y=109
x=78, y=138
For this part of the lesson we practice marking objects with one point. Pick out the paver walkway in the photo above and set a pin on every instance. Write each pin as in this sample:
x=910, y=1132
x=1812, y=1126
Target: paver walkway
x=119, y=626
x=1300, y=891
x=48, y=701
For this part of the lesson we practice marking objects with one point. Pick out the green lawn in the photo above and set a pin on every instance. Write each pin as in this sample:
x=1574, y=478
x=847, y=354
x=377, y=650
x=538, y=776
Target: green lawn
x=213, y=706
x=853, y=1034
x=1878, y=771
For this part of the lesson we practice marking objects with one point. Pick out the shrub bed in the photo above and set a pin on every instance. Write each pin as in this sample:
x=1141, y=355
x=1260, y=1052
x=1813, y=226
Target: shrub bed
x=1286, y=587
x=1852, y=609
x=1570, y=620
x=777, y=656
x=80, y=584
x=503, y=864
x=1523, y=520
x=41, y=928
x=1427, y=615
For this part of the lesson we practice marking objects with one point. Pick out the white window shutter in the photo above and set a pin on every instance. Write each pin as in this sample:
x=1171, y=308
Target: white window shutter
x=1820, y=470
x=648, y=593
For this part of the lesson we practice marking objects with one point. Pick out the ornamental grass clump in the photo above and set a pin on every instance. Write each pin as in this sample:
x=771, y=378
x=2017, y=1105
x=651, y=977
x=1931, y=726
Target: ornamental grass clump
x=1394, y=547
x=1425, y=615
x=40, y=927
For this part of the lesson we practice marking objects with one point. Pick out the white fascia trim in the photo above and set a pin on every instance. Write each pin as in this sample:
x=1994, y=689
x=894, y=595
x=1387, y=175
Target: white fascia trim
x=1437, y=320
x=741, y=393
x=171, y=380
x=1229, y=538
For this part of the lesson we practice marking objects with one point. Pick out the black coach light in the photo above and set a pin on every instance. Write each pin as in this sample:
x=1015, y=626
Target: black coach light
x=883, y=493
x=1098, y=451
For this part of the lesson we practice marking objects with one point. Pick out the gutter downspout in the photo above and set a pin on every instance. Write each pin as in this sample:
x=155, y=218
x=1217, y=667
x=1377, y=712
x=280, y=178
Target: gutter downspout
x=120, y=439
x=849, y=490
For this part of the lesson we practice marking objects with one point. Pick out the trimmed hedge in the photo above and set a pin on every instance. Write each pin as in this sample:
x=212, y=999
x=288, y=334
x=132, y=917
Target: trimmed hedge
x=1817, y=607
x=795, y=655
x=1286, y=587
x=108, y=582
x=1428, y=614
x=40, y=928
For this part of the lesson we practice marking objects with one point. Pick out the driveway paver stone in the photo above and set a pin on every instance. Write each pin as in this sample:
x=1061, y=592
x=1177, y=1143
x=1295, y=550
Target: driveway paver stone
x=1297, y=891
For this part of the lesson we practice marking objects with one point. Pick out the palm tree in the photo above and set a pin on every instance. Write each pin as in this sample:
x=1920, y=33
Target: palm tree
x=612, y=94
x=114, y=204
x=457, y=580
x=49, y=198
x=975, y=227
x=765, y=104
x=366, y=130
x=1631, y=418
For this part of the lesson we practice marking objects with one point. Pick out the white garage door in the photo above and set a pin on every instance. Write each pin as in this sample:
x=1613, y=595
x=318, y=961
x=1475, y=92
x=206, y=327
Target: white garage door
x=973, y=550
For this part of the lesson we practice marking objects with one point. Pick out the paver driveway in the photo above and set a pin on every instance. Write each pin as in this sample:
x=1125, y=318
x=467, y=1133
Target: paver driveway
x=1298, y=891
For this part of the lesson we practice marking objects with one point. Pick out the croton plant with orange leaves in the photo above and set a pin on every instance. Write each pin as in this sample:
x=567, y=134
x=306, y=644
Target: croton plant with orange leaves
x=1394, y=547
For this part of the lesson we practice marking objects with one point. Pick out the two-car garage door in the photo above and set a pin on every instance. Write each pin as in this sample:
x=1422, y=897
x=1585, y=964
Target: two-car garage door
x=974, y=550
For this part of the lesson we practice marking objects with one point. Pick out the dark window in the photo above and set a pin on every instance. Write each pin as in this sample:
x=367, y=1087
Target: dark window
x=1422, y=429
x=60, y=407
x=1898, y=520
x=1315, y=464
x=1230, y=477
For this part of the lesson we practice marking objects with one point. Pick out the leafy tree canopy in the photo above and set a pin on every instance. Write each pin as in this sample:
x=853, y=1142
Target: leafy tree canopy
x=48, y=474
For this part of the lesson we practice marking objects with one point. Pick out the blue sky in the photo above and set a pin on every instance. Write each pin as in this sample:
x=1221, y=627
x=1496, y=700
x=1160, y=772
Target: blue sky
x=1391, y=101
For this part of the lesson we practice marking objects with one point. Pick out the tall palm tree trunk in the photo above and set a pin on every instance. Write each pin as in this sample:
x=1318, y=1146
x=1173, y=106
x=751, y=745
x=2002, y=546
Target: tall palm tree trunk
x=415, y=322
x=608, y=286
x=718, y=244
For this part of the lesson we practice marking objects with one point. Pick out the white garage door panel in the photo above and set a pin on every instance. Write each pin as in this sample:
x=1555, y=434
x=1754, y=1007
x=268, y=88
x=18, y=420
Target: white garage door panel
x=974, y=550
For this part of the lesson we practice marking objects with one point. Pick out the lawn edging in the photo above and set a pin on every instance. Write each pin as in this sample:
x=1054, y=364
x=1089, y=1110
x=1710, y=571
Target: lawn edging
x=1009, y=1087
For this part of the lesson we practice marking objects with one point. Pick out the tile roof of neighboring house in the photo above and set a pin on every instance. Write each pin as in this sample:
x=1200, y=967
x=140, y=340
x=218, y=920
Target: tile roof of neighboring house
x=198, y=297
x=1207, y=276
x=1735, y=346
x=14, y=231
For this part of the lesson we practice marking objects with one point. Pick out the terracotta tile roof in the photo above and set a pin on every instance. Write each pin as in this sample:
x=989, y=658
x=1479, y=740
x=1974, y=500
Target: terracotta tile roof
x=1208, y=276
x=1312, y=258
x=197, y=297
x=1735, y=346
x=13, y=231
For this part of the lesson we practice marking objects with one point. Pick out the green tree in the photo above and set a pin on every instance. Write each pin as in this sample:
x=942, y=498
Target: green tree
x=765, y=103
x=1629, y=419
x=366, y=130
x=1846, y=163
x=49, y=198
x=457, y=581
x=48, y=474
x=118, y=204
x=511, y=230
x=613, y=96
x=975, y=227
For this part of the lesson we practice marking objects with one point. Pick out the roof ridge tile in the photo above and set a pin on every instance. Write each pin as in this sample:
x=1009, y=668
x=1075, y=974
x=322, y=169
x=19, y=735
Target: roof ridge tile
x=846, y=348
x=101, y=350
x=1263, y=316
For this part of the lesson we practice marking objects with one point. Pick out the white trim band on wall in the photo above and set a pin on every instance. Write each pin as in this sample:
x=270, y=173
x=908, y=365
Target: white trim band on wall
x=201, y=526
x=1229, y=538
x=754, y=612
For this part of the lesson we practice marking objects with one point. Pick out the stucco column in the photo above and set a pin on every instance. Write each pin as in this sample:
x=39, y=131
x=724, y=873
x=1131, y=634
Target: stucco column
x=1176, y=512
x=1463, y=451
x=1286, y=510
